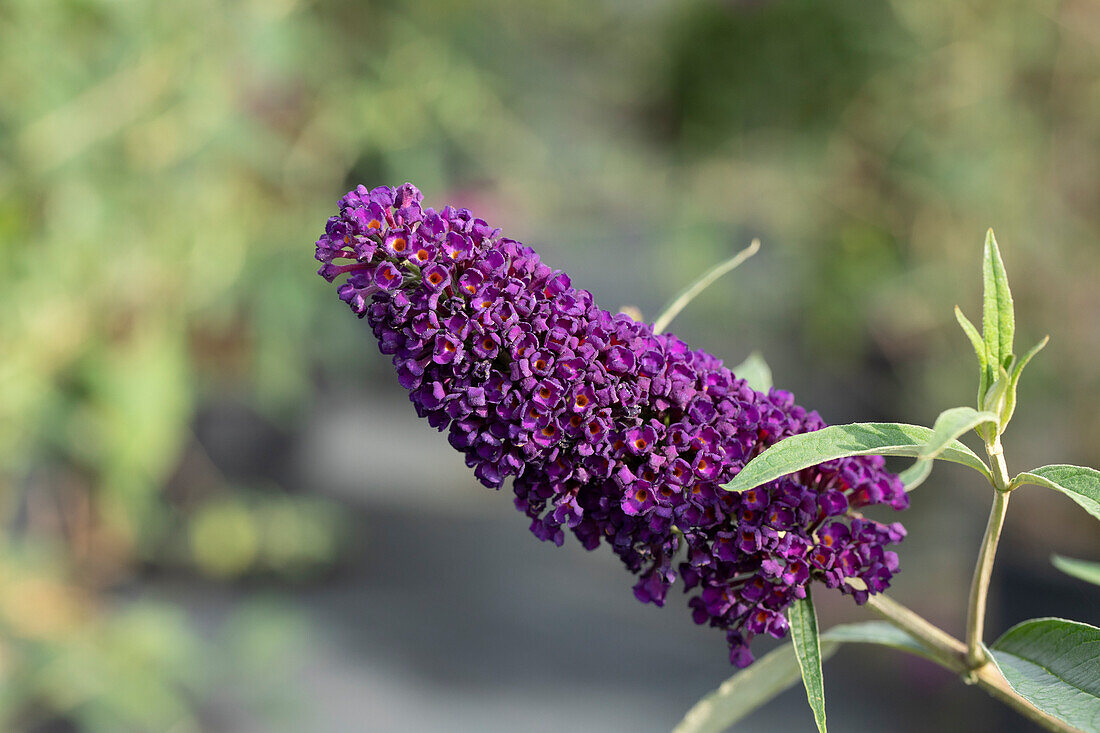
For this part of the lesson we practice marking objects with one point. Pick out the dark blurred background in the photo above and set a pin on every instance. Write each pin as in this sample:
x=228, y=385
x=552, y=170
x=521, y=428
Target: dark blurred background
x=219, y=512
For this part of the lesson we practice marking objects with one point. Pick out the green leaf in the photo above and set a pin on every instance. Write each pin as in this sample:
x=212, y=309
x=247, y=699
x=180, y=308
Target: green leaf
x=915, y=475
x=1014, y=381
x=755, y=371
x=689, y=293
x=840, y=441
x=881, y=633
x=950, y=425
x=777, y=670
x=1055, y=665
x=747, y=690
x=807, y=649
x=1080, y=569
x=979, y=350
x=998, y=319
x=996, y=397
x=1077, y=482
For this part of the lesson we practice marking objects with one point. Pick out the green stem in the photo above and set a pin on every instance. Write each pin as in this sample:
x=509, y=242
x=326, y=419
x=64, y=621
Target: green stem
x=997, y=461
x=983, y=570
x=950, y=653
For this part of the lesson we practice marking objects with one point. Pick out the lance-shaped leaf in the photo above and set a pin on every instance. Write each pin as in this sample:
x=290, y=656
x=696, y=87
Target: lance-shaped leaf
x=1077, y=482
x=996, y=397
x=979, y=350
x=1014, y=381
x=755, y=371
x=998, y=317
x=689, y=293
x=881, y=633
x=807, y=649
x=915, y=475
x=747, y=690
x=1080, y=569
x=950, y=425
x=840, y=441
x=778, y=670
x=1055, y=665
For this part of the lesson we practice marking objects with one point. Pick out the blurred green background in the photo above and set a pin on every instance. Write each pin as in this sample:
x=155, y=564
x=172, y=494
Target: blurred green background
x=187, y=415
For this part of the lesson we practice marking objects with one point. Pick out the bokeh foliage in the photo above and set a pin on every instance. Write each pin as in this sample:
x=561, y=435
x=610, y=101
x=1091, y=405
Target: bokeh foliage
x=164, y=167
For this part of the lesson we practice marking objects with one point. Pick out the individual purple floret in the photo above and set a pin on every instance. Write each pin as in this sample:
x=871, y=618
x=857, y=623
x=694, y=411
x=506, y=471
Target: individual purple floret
x=608, y=430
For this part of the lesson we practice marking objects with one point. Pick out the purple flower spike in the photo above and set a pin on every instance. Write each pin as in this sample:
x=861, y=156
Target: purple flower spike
x=607, y=429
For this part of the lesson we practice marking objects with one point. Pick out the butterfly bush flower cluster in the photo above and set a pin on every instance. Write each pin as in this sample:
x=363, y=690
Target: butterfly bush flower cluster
x=607, y=429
